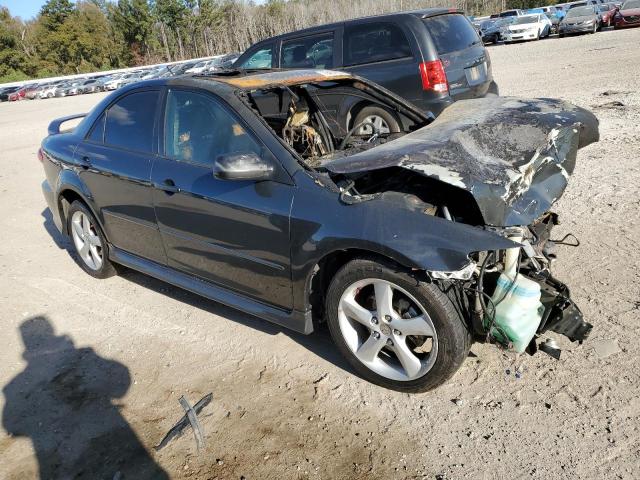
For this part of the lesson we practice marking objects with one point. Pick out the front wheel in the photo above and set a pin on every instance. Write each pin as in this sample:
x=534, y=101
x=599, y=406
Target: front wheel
x=394, y=330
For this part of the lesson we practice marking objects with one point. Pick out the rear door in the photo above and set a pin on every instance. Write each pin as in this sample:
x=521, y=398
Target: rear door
x=463, y=55
x=116, y=158
x=382, y=51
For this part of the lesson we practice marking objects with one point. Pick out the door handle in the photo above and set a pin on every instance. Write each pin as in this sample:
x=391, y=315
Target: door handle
x=167, y=186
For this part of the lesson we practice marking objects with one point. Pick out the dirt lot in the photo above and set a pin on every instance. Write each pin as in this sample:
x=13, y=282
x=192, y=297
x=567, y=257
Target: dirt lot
x=92, y=370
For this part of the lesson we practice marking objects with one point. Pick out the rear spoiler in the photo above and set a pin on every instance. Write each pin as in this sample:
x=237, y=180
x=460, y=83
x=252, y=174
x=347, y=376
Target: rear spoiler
x=54, y=127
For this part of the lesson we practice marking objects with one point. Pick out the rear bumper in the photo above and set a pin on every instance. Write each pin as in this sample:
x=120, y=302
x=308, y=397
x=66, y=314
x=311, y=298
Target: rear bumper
x=434, y=106
x=51, y=203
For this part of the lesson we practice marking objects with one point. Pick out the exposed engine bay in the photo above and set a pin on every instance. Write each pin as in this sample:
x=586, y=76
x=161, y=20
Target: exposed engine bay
x=498, y=164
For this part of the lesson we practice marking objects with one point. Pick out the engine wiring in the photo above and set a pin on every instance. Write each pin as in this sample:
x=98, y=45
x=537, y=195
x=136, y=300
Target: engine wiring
x=483, y=295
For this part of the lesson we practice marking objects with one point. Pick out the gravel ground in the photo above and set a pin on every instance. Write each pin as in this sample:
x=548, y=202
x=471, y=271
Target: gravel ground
x=286, y=405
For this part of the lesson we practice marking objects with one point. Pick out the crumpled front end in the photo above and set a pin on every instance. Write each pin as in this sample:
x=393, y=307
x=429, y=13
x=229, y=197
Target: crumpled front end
x=514, y=156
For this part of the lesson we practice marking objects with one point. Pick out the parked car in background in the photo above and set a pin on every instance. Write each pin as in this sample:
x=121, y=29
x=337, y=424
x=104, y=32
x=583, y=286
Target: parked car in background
x=552, y=13
x=628, y=15
x=114, y=82
x=48, y=91
x=490, y=29
x=18, y=94
x=180, y=68
x=431, y=57
x=526, y=27
x=582, y=19
x=91, y=85
x=224, y=62
x=7, y=92
x=607, y=12
x=75, y=88
x=31, y=91
x=204, y=65
x=62, y=88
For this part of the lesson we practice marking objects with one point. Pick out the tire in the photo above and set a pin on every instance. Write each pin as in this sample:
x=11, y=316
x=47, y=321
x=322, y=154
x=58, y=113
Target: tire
x=92, y=236
x=561, y=35
x=380, y=117
x=429, y=311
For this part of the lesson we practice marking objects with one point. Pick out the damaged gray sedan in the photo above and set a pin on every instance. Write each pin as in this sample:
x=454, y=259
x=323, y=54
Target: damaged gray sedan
x=263, y=193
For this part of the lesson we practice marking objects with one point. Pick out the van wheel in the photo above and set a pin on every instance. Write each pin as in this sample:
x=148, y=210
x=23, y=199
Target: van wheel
x=90, y=245
x=383, y=121
x=394, y=330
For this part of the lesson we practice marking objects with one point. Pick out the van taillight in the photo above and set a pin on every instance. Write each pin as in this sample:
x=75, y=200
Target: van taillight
x=433, y=76
x=40, y=155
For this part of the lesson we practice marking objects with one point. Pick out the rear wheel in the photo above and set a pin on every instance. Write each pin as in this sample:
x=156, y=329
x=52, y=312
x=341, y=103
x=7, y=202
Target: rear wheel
x=90, y=246
x=394, y=330
x=375, y=119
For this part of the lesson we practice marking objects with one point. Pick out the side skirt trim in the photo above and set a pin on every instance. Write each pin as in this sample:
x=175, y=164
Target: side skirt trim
x=298, y=321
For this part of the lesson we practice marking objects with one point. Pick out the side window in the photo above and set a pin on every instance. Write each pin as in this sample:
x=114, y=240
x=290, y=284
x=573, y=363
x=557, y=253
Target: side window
x=198, y=129
x=129, y=122
x=308, y=52
x=374, y=42
x=261, y=58
x=97, y=132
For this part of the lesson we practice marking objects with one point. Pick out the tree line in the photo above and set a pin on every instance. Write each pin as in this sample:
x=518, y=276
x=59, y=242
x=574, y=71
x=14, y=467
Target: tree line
x=93, y=35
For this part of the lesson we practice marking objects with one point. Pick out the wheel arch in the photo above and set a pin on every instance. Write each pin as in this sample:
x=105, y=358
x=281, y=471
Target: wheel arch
x=67, y=194
x=357, y=107
x=319, y=278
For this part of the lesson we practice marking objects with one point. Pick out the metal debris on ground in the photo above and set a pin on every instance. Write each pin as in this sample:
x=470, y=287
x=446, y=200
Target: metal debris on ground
x=190, y=417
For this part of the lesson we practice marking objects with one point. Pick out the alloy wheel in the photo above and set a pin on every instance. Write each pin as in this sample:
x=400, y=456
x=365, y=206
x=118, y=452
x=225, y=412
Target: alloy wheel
x=86, y=240
x=379, y=123
x=387, y=329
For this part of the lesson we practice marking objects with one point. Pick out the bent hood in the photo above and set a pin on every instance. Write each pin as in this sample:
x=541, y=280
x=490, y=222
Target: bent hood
x=513, y=155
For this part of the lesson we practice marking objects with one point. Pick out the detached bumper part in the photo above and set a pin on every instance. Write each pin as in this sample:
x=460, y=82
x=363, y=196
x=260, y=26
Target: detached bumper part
x=562, y=315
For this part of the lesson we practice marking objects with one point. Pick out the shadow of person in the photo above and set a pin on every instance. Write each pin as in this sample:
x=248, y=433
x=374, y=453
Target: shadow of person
x=62, y=401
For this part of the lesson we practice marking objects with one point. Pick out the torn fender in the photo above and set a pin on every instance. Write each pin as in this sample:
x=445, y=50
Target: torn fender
x=389, y=224
x=513, y=155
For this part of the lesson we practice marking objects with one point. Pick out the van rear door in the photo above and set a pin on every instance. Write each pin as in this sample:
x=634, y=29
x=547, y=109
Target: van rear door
x=463, y=55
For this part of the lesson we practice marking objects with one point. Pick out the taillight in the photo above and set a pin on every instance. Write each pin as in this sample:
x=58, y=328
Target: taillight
x=40, y=155
x=433, y=76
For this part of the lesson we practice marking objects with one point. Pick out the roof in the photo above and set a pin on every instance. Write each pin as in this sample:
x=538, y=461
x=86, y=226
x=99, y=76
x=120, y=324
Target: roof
x=421, y=13
x=281, y=78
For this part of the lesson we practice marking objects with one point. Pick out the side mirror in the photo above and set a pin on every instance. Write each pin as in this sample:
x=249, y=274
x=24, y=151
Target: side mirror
x=242, y=166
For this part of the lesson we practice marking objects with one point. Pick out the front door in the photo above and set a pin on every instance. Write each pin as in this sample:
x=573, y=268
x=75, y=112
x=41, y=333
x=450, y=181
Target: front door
x=117, y=157
x=233, y=233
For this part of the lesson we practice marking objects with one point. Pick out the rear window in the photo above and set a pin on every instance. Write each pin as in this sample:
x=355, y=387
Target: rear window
x=374, y=42
x=451, y=33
